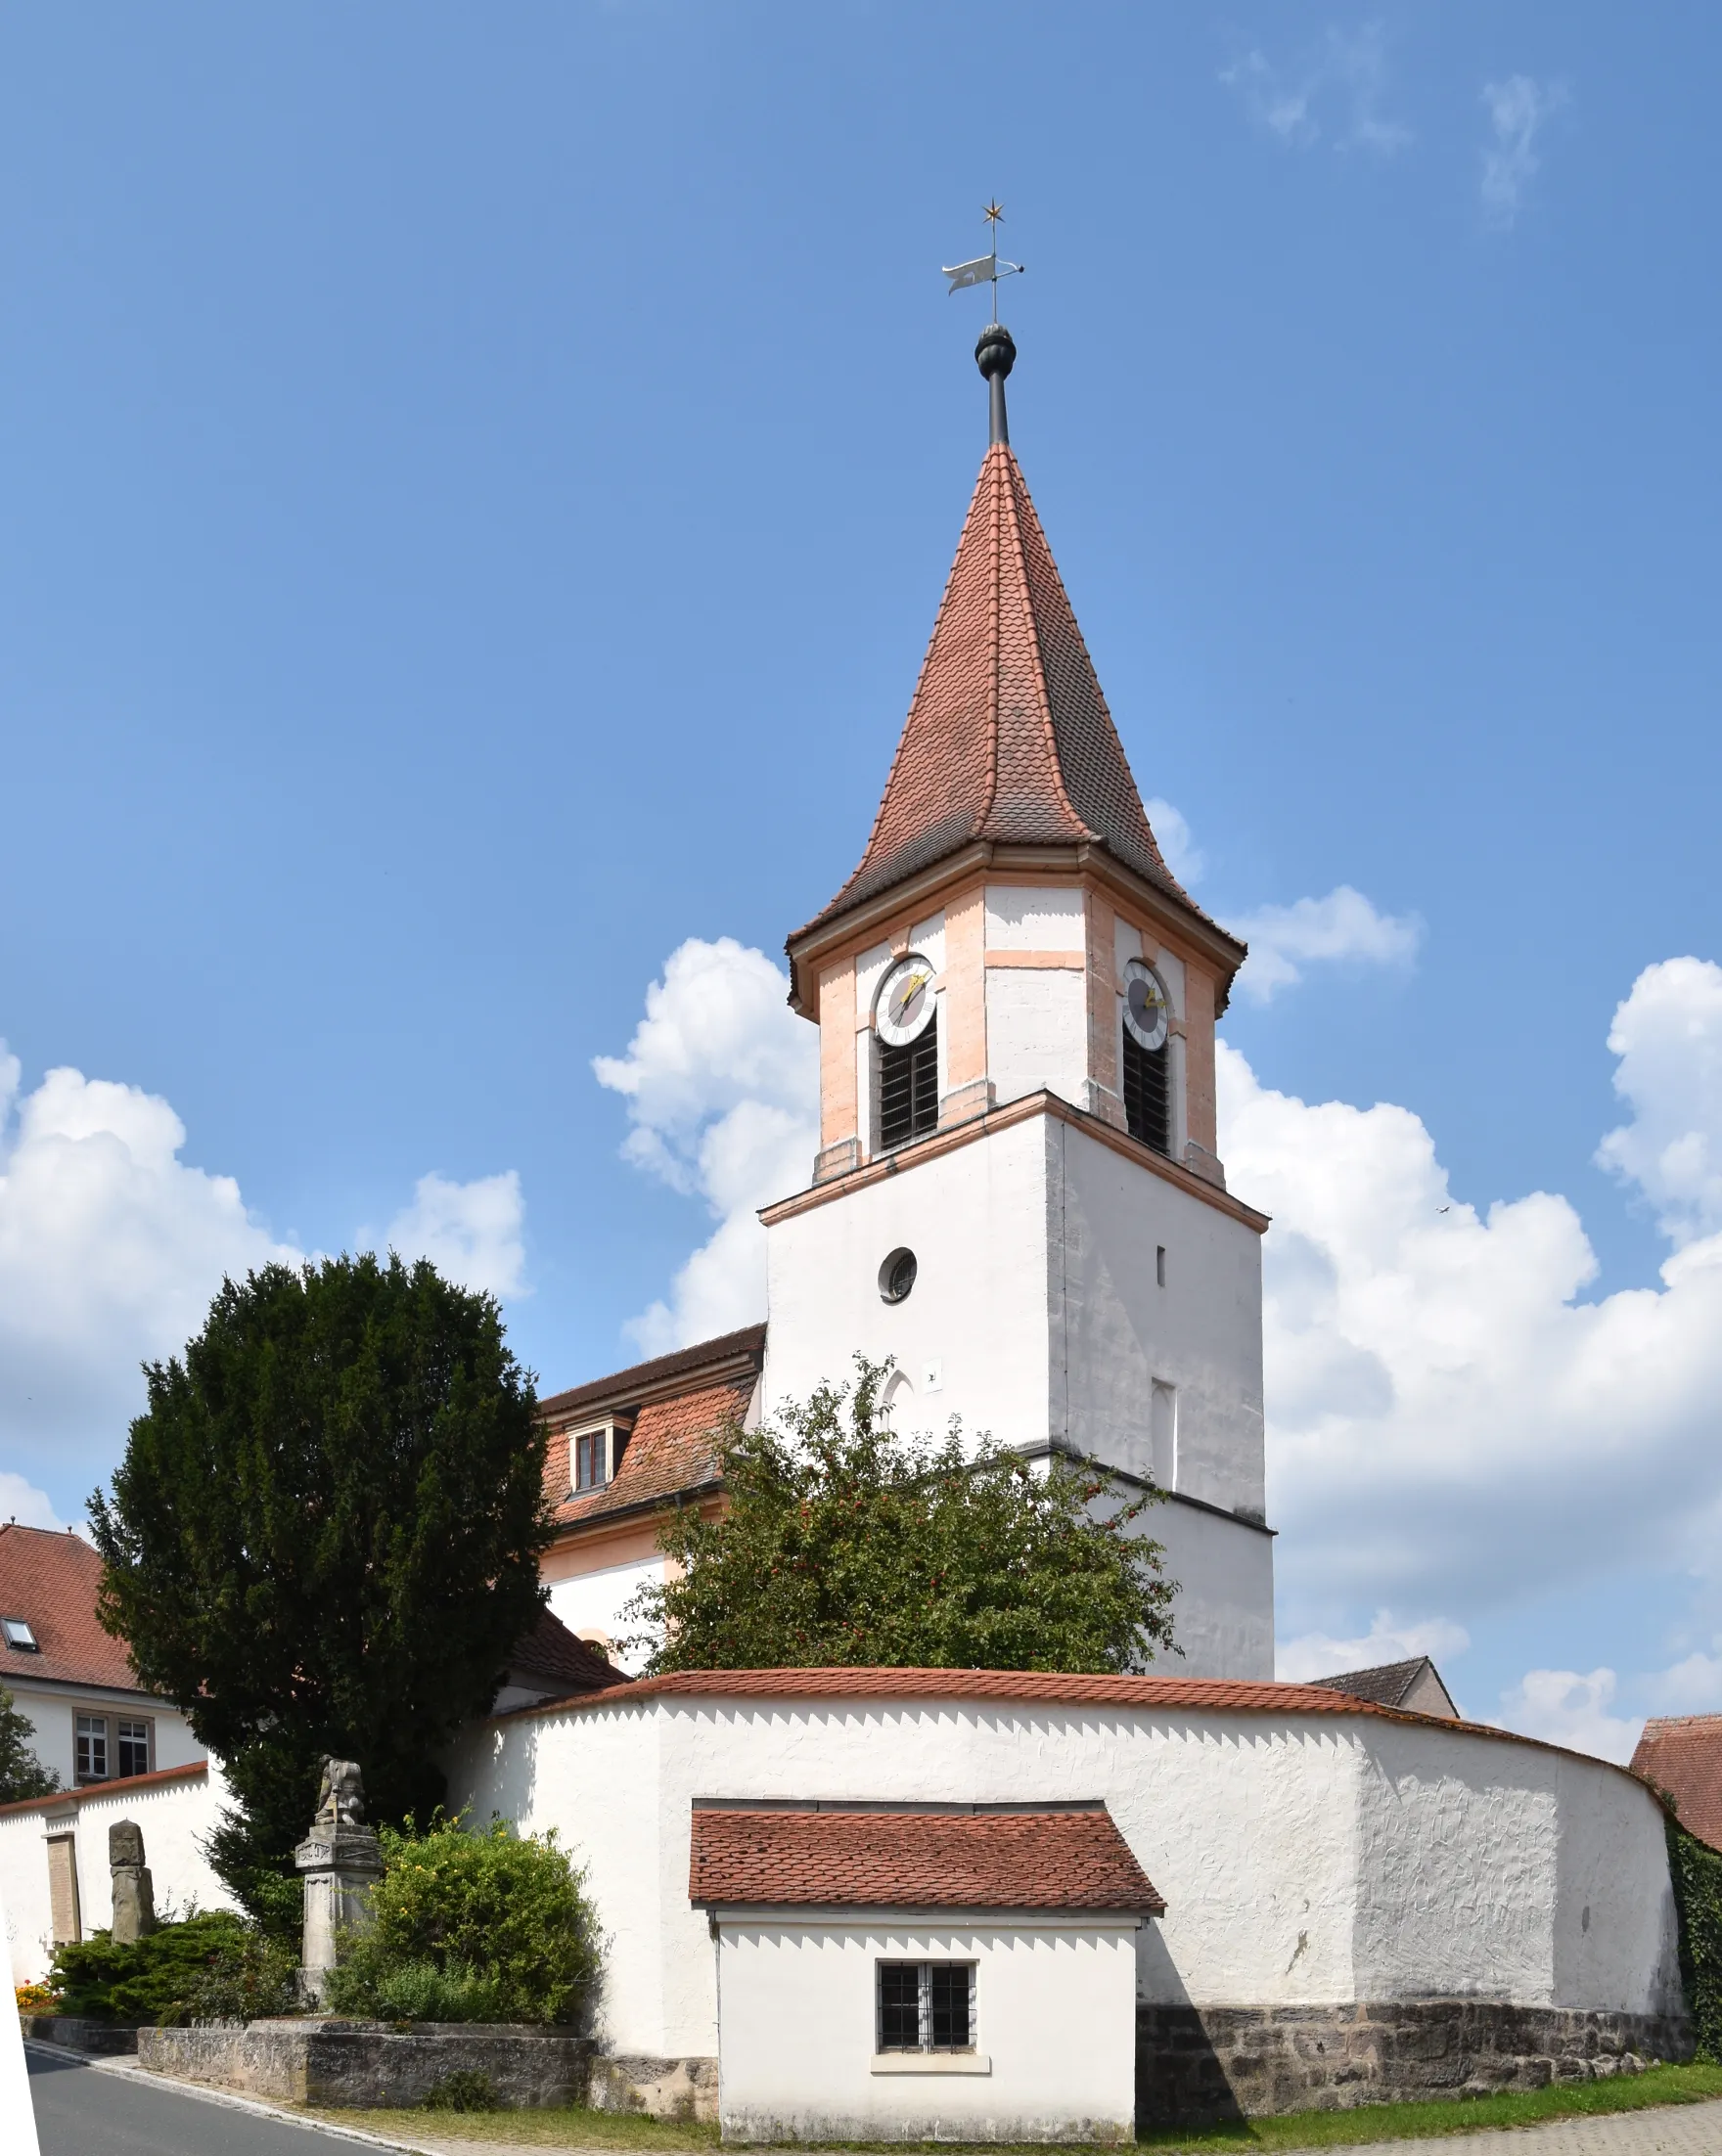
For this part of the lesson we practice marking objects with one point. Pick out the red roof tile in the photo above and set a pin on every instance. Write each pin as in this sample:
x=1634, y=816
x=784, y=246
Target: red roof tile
x=52, y=1581
x=551, y=1655
x=1008, y=738
x=671, y=1453
x=121, y=1783
x=915, y=1860
x=1683, y=1755
x=746, y=1345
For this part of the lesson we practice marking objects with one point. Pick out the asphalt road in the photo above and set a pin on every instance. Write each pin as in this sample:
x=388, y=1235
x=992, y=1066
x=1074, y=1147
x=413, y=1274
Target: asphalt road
x=82, y=2111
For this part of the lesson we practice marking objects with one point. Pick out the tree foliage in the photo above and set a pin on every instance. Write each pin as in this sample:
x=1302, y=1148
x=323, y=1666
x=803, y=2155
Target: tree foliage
x=487, y=1926
x=846, y=1543
x=324, y=1538
x=21, y=1772
x=1696, y=1870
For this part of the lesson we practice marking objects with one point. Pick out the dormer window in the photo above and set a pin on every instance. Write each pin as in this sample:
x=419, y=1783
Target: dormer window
x=18, y=1635
x=595, y=1453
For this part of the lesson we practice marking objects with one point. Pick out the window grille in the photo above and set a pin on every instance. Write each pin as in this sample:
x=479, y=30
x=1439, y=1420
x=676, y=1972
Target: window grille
x=1148, y=1092
x=908, y=1089
x=926, y=2006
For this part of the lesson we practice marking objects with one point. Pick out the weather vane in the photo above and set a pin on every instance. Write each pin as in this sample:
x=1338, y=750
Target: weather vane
x=985, y=269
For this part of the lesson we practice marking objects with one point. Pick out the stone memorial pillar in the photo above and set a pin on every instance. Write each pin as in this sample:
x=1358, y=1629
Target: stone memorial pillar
x=341, y=1864
x=134, y=1892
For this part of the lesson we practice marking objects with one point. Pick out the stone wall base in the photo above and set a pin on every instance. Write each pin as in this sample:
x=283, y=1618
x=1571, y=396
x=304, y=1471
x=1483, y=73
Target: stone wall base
x=662, y=2089
x=94, y=2038
x=363, y=2064
x=1197, y=2065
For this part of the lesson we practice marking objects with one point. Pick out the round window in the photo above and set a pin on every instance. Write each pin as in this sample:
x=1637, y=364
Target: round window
x=896, y=1275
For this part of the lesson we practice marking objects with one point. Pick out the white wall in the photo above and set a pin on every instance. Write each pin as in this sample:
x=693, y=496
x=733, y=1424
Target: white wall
x=595, y=1600
x=1223, y=1614
x=54, y=1708
x=1115, y=1329
x=176, y=1818
x=1054, y=2031
x=1305, y=1859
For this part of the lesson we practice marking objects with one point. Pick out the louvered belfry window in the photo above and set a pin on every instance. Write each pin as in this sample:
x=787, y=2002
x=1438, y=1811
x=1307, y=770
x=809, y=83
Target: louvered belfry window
x=908, y=1089
x=1148, y=1092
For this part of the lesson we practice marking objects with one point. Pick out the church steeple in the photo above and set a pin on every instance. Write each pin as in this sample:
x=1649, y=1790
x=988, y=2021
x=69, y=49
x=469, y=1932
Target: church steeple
x=1009, y=740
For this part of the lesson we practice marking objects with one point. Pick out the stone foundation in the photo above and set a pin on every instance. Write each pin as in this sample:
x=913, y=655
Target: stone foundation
x=94, y=2038
x=363, y=2064
x=1200, y=2065
x=662, y=2089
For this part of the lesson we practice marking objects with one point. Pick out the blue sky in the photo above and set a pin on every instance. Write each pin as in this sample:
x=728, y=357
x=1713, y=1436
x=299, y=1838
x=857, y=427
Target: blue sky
x=476, y=489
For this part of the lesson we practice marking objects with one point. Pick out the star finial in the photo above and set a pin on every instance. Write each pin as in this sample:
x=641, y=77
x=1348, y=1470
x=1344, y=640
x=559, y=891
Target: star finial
x=994, y=212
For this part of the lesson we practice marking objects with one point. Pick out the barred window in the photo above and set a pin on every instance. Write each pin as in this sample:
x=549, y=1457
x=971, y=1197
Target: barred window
x=926, y=2005
x=908, y=1089
x=1148, y=1092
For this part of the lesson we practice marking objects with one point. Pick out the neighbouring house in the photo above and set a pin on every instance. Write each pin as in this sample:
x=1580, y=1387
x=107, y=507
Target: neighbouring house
x=94, y=1722
x=1416, y=1684
x=623, y=1452
x=1681, y=1755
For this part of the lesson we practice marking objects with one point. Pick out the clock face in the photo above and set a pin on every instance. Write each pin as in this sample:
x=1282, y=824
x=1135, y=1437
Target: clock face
x=1144, y=1005
x=905, y=1002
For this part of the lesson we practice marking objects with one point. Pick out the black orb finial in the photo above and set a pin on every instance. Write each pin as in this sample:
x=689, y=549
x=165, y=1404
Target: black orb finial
x=995, y=355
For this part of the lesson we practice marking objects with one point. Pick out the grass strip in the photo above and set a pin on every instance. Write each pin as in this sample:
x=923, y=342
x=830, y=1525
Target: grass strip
x=573, y=2126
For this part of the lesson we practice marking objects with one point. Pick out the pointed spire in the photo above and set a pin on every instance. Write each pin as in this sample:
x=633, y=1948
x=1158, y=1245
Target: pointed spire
x=1009, y=738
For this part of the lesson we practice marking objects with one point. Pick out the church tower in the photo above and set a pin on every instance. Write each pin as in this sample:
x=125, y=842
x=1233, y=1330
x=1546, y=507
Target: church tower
x=1018, y=1194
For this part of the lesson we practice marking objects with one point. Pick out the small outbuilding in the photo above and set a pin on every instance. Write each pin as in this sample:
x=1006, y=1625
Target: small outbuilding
x=921, y=1971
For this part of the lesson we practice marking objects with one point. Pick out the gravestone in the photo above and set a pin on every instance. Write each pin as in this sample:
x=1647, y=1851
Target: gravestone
x=134, y=1893
x=341, y=1864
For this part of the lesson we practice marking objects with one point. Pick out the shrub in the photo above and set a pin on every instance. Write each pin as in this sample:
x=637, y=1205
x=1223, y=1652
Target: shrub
x=151, y=1981
x=247, y=1979
x=487, y=1926
x=465, y=2090
x=1697, y=1873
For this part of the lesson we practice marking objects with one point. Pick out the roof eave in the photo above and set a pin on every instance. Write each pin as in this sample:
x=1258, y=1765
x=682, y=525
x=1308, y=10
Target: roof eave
x=828, y=930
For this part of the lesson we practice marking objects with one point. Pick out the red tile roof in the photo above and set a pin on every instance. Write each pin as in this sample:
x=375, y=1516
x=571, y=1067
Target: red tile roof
x=553, y=1655
x=196, y=1770
x=52, y=1582
x=1008, y=738
x=1682, y=1754
x=661, y=1373
x=915, y=1860
x=672, y=1453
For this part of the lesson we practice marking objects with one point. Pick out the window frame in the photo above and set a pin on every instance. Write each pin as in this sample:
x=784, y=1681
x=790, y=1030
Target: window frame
x=145, y=1729
x=607, y=1440
x=29, y=1643
x=90, y=1729
x=924, y=2047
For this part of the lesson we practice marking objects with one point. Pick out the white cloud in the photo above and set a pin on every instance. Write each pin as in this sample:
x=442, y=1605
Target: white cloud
x=1518, y=109
x=1184, y=857
x=1450, y=1426
x=470, y=1232
x=112, y=1247
x=1314, y=1654
x=1344, y=80
x=1567, y=1708
x=1344, y=926
x=1669, y=1036
x=721, y=1079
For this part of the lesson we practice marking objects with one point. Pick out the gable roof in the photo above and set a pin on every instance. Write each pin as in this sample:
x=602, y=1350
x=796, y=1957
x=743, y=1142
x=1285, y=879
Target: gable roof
x=1008, y=738
x=51, y=1580
x=1683, y=1755
x=1415, y=1683
x=900, y=1858
x=675, y=1408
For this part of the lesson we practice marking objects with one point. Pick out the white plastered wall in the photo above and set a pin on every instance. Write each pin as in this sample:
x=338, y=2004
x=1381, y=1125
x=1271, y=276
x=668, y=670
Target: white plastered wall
x=594, y=1601
x=1036, y=1016
x=1304, y=1859
x=1223, y=1614
x=175, y=1816
x=52, y=1711
x=1055, y=2030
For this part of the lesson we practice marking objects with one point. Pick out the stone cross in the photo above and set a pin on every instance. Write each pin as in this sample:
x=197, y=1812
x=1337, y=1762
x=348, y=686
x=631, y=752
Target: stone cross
x=341, y=1864
x=134, y=1892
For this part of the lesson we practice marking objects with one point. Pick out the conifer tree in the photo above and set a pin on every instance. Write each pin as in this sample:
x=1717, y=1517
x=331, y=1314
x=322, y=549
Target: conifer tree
x=324, y=1538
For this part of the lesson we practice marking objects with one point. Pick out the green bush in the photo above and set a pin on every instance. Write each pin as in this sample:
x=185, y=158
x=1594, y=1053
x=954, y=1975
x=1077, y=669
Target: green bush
x=488, y=1926
x=466, y=2090
x=1696, y=1871
x=209, y=1967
